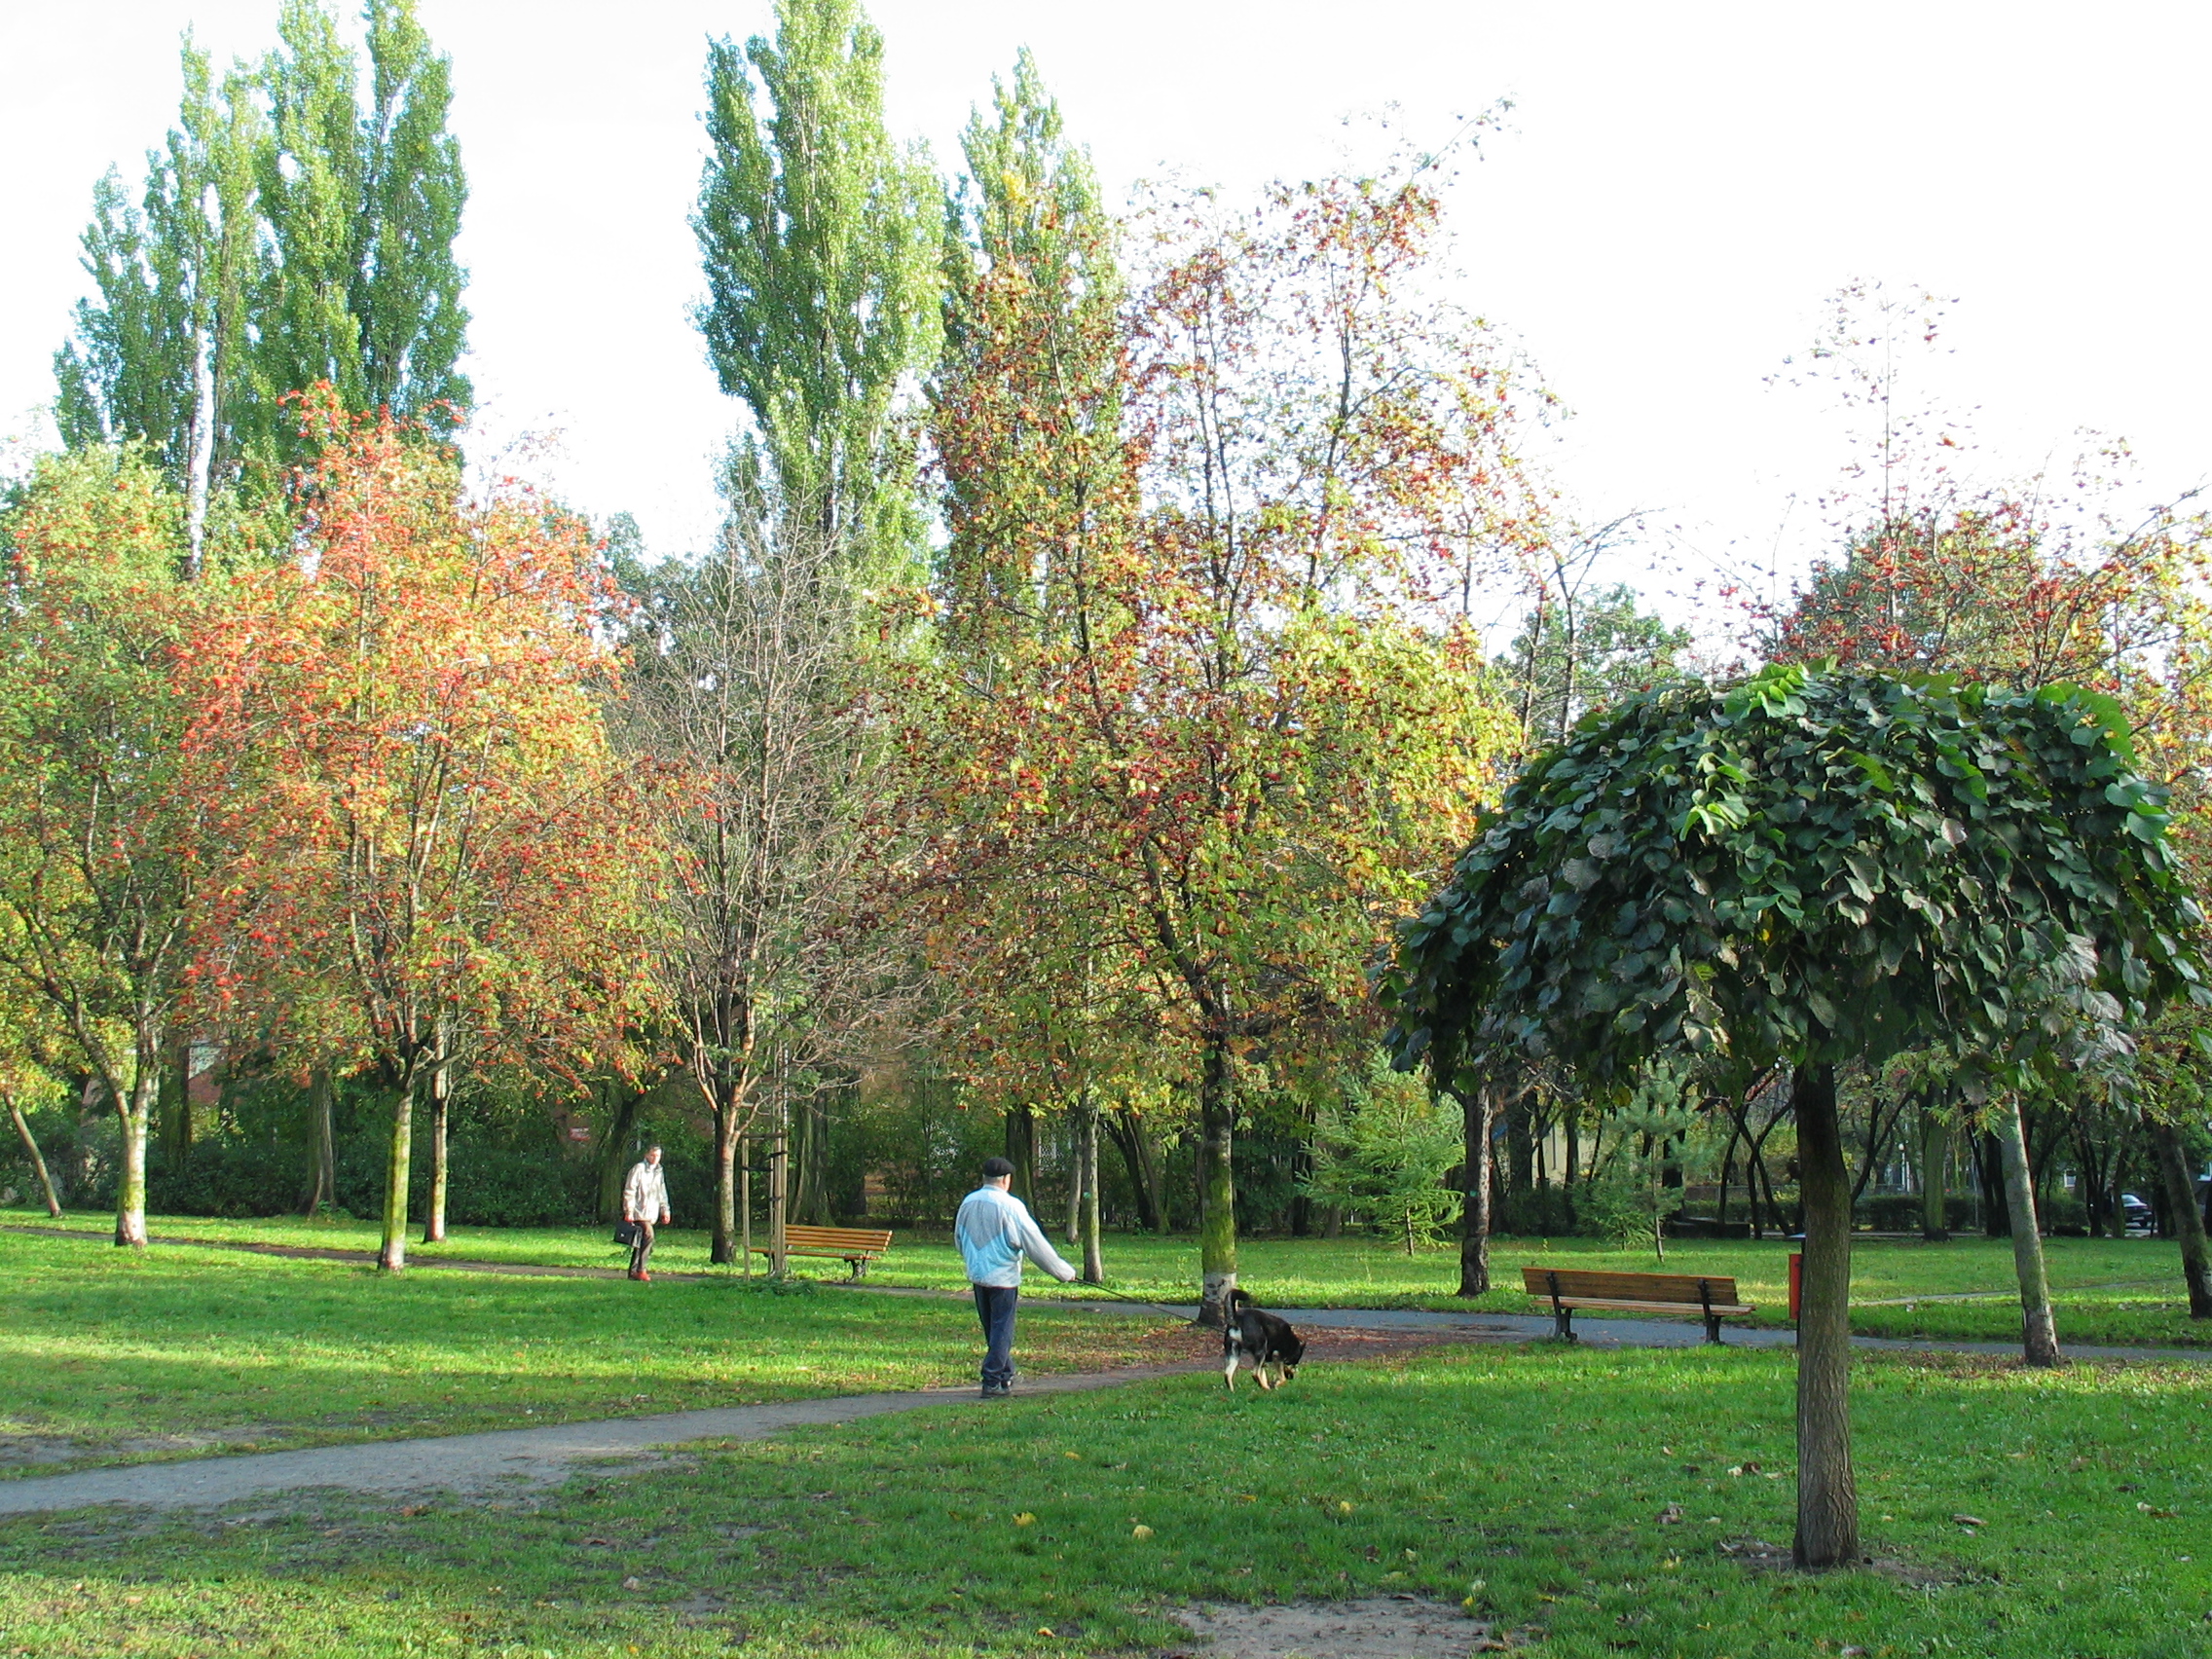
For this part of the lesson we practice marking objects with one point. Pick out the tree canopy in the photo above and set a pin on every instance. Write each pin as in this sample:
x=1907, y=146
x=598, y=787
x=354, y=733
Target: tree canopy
x=1809, y=868
x=1809, y=863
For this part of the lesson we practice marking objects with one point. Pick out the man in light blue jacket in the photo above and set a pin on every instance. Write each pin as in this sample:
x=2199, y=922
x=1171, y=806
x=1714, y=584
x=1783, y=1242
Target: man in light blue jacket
x=994, y=1231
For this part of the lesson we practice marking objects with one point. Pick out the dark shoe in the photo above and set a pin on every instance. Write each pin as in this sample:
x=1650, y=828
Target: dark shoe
x=999, y=1392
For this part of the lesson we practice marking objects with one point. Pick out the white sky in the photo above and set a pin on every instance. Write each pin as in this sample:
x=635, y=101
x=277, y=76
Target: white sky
x=1679, y=188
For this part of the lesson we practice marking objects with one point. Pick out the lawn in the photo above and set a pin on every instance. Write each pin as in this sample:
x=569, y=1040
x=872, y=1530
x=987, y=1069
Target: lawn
x=2108, y=1290
x=108, y=1355
x=1604, y=1502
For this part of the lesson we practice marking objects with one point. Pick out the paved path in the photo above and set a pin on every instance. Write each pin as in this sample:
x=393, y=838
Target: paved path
x=478, y=1465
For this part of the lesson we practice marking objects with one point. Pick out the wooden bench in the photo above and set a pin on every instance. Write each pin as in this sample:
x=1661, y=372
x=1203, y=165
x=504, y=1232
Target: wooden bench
x=855, y=1246
x=1567, y=1289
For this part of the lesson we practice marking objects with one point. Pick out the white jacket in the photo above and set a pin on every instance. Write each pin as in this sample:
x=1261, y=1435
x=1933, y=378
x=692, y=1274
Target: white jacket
x=644, y=1194
x=994, y=1231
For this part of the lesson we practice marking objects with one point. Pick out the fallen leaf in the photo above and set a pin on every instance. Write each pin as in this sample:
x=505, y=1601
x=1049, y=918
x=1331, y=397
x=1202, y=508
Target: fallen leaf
x=601, y=1543
x=1026, y=1519
x=1969, y=1520
x=1140, y=1531
x=633, y=1584
x=1671, y=1515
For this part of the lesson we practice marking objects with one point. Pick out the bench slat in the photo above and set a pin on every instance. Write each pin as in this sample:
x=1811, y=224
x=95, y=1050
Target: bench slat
x=1652, y=1306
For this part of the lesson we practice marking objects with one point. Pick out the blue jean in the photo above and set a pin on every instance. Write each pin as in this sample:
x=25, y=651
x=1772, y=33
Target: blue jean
x=994, y=1306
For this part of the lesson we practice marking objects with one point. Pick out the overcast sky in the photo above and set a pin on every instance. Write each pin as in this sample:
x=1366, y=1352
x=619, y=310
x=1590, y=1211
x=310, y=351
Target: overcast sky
x=1677, y=190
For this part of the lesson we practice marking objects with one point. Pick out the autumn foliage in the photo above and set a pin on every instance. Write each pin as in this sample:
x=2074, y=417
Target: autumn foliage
x=418, y=837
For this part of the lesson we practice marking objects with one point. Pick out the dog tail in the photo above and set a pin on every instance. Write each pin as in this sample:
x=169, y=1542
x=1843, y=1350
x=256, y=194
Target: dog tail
x=1239, y=1296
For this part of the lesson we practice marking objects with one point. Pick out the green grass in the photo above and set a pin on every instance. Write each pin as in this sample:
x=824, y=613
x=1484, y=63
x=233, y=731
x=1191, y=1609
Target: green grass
x=2120, y=1291
x=108, y=1355
x=1531, y=1481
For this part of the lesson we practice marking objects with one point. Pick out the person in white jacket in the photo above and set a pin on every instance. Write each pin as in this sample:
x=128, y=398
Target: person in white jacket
x=644, y=1201
x=994, y=1231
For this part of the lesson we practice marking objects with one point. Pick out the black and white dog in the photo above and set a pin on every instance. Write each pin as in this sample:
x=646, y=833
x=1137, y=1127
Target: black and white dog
x=1257, y=1339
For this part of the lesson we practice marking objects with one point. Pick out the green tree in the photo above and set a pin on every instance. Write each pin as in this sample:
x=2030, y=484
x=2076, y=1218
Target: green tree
x=1383, y=1154
x=287, y=234
x=97, y=837
x=1581, y=651
x=1027, y=406
x=164, y=356
x=362, y=201
x=817, y=238
x=1808, y=869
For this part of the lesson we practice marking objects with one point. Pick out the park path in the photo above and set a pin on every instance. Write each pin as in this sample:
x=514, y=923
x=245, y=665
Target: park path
x=476, y=1466
x=485, y=1466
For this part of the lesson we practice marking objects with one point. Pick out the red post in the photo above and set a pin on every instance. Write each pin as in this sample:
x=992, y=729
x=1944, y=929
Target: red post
x=1797, y=1284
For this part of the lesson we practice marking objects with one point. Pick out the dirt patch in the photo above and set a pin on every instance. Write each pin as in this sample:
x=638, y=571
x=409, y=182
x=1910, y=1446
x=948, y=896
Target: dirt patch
x=25, y=1452
x=1395, y=1628
x=1757, y=1555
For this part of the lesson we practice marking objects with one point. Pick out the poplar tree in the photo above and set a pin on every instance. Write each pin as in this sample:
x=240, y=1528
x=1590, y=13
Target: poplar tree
x=816, y=235
x=288, y=233
x=161, y=358
x=362, y=202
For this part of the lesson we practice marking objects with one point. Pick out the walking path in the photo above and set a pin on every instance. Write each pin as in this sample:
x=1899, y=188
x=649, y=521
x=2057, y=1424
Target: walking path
x=477, y=1465
x=480, y=1465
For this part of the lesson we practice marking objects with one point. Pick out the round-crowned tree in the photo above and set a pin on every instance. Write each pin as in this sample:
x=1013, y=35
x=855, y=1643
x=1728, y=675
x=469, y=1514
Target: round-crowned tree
x=1807, y=867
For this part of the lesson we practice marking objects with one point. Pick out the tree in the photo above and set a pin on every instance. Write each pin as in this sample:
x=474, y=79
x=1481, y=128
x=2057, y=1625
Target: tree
x=1191, y=689
x=1385, y=1154
x=98, y=835
x=816, y=235
x=1811, y=867
x=30, y=1038
x=163, y=357
x=362, y=202
x=741, y=692
x=1580, y=651
x=397, y=736
x=288, y=236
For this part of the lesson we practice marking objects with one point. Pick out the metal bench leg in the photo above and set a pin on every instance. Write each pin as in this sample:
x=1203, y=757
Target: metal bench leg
x=1563, y=1323
x=1712, y=1319
x=1712, y=1330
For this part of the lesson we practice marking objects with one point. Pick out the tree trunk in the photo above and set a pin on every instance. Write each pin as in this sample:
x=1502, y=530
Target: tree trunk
x=1021, y=1152
x=322, y=1106
x=1086, y=1155
x=2039, y=1337
x=441, y=1100
x=1727, y=1174
x=130, y=1189
x=177, y=1109
x=37, y=1158
x=1217, y=1183
x=2181, y=1204
x=1989, y=1167
x=722, y=1250
x=1474, y=1220
x=399, y=1169
x=1520, y=1164
x=779, y=1184
x=1935, y=1148
x=1128, y=1131
x=1827, y=1496
x=1073, y=1232
x=613, y=1154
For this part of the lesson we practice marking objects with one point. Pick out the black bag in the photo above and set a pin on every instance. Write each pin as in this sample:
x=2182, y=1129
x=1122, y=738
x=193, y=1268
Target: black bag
x=626, y=1235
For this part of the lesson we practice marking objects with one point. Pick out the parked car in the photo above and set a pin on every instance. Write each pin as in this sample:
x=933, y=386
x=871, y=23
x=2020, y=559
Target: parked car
x=2136, y=1215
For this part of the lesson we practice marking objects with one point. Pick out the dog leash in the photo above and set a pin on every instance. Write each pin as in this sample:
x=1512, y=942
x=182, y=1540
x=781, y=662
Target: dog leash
x=1141, y=1302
